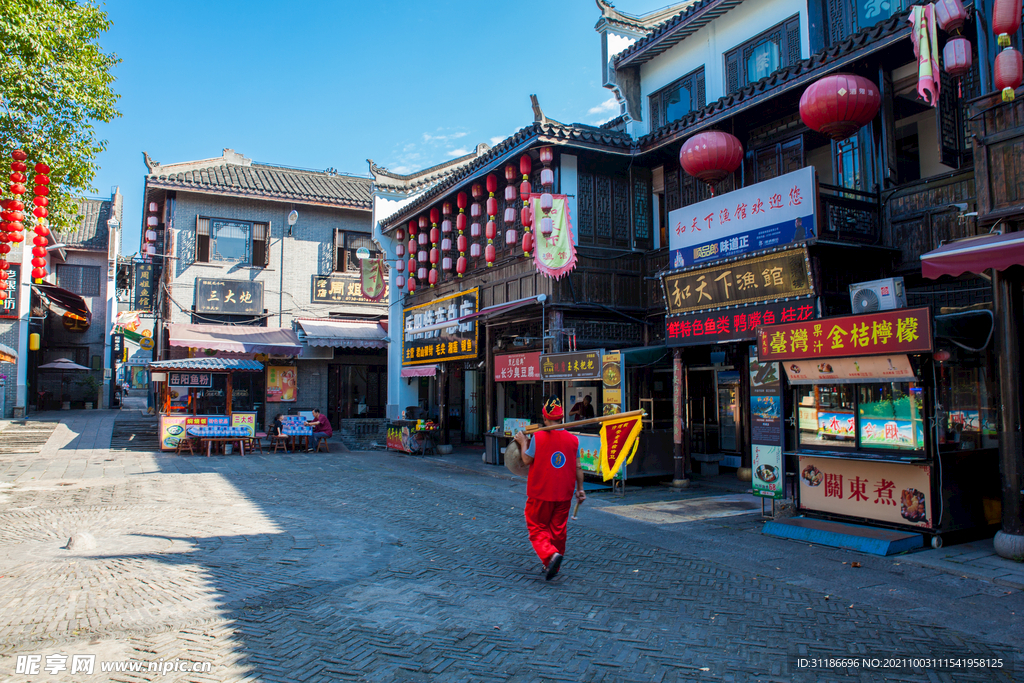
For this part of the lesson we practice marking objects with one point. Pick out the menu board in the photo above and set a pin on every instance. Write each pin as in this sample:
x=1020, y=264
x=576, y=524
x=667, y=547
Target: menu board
x=173, y=427
x=766, y=435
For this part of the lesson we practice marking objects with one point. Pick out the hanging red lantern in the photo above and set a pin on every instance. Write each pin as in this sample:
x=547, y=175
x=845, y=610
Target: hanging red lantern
x=460, y=266
x=400, y=235
x=41, y=190
x=434, y=234
x=432, y=277
x=40, y=212
x=547, y=226
x=39, y=251
x=950, y=14
x=400, y=250
x=423, y=223
x=957, y=57
x=460, y=224
x=3, y=292
x=526, y=216
x=547, y=155
x=412, y=264
x=421, y=239
x=434, y=255
x=446, y=263
x=839, y=105
x=474, y=250
x=38, y=262
x=5, y=248
x=1009, y=68
x=17, y=237
x=461, y=243
x=412, y=284
x=42, y=168
x=492, y=206
x=446, y=244
x=525, y=165
x=38, y=273
x=399, y=281
x=19, y=166
x=19, y=155
x=475, y=211
x=492, y=183
x=421, y=255
x=42, y=230
x=511, y=237
x=41, y=180
x=492, y=216
x=474, y=230
x=1005, y=20
x=18, y=189
x=489, y=255
x=400, y=265
x=525, y=189
x=510, y=173
x=547, y=177
x=18, y=177
x=510, y=193
x=421, y=273
x=412, y=247
x=527, y=244
x=39, y=201
x=492, y=230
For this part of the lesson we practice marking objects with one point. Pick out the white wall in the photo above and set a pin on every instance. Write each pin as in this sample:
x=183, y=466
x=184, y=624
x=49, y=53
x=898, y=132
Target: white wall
x=569, y=185
x=706, y=47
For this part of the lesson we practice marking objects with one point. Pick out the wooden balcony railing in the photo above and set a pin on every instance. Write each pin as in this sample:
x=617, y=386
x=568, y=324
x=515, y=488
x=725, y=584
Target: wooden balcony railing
x=849, y=215
x=998, y=130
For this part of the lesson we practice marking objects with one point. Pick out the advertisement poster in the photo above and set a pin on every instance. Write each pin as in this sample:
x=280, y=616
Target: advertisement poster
x=887, y=433
x=837, y=426
x=768, y=474
x=173, y=427
x=590, y=452
x=766, y=436
x=282, y=384
x=884, y=491
x=772, y=213
x=895, y=368
x=611, y=379
x=514, y=424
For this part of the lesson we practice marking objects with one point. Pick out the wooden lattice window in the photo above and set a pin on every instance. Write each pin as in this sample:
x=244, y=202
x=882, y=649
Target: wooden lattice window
x=677, y=99
x=755, y=59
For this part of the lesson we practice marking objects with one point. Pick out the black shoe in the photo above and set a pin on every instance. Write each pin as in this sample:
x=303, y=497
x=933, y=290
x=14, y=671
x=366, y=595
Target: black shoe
x=553, y=566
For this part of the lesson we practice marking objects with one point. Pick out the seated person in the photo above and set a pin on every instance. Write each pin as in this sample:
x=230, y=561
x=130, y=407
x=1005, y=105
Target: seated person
x=321, y=429
x=582, y=410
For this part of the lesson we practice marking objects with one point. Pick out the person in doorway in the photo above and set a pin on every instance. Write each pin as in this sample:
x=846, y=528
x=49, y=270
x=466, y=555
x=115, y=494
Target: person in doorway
x=321, y=429
x=582, y=410
x=552, y=457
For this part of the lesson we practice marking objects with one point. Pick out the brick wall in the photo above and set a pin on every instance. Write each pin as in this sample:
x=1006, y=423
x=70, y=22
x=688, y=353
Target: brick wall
x=362, y=434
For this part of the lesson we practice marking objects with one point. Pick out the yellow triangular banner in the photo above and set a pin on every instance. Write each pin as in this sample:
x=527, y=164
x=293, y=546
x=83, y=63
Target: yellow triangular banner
x=619, y=441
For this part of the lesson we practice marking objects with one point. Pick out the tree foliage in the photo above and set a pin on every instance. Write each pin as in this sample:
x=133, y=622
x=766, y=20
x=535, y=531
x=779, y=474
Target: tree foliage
x=55, y=83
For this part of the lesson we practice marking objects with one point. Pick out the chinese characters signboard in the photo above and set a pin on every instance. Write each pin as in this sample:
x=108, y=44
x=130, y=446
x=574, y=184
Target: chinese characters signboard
x=203, y=380
x=766, y=427
x=735, y=324
x=907, y=330
x=339, y=289
x=436, y=331
x=9, y=306
x=884, y=491
x=577, y=365
x=764, y=278
x=229, y=296
x=118, y=351
x=145, y=284
x=774, y=213
x=517, y=367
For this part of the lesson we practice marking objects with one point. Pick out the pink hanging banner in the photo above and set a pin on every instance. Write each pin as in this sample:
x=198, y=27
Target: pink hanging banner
x=555, y=254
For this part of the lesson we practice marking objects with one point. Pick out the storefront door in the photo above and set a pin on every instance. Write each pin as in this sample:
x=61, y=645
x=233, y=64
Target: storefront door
x=728, y=410
x=703, y=410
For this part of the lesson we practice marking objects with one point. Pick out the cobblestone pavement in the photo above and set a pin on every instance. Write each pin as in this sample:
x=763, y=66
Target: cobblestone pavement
x=379, y=567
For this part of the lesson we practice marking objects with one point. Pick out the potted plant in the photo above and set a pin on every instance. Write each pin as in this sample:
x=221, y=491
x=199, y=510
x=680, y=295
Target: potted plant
x=92, y=388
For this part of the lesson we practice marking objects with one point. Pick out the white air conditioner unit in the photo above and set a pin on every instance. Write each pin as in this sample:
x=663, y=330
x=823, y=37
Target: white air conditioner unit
x=317, y=353
x=878, y=295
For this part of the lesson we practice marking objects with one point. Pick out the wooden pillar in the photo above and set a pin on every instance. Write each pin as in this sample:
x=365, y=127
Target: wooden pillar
x=679, y=478
x=743, y=427
x=1009, y=541
x=489, y=398
x=227, y=397
x=442, y=399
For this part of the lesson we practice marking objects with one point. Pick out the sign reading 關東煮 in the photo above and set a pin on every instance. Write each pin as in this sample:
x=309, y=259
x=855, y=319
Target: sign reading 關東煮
x=576, y=365
x=907, y=330
x=203, y=380
x=229, y=296
x=517, y=367
x=772, y=213
x=339, y=289
x=784, y=275
x=436, y=331
x=734, y=324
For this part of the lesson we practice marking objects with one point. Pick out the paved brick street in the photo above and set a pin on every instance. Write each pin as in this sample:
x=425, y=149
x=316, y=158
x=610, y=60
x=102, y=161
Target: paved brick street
x=374, y=566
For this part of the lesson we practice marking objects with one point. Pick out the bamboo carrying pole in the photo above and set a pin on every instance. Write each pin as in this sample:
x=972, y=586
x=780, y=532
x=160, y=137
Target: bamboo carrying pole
x=530, y=429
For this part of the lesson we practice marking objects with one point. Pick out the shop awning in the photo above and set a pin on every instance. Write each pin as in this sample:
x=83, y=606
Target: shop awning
x=646, y=355
x=351, y=334
x=65, y=300
x=499, y=309
x=974, y=255
x=208, y=365
x=419, y=371
x=238, y=339
x=7, y=354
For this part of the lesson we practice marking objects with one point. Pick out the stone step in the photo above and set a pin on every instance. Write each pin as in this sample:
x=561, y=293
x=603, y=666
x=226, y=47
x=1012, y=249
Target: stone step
x=866, y=539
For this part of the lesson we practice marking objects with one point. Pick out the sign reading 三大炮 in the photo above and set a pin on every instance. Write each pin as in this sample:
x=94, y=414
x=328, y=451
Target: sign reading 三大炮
x=229, y=296
x=438, y=330
x=772, y=213
x=783, y=275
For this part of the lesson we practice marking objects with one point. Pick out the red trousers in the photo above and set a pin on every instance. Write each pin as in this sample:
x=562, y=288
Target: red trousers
x=546, y=521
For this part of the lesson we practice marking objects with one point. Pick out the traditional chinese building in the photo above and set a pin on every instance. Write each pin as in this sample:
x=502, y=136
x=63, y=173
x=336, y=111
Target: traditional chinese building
x=260, y=262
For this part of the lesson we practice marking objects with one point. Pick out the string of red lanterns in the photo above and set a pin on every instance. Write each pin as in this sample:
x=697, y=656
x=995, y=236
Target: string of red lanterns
x=435, y=237
x=547, y=201
x=1009, y=66
x=446, y=237
x=492, y=216
x=526, y=216
x=400, y=260
x=421, y=253
x=510, y=212
x=460, y=225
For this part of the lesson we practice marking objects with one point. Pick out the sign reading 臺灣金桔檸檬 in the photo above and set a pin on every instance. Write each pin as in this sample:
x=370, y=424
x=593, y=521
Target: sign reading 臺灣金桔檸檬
x=755, y=280
x=576, y=365
x=772, y=213
x=229, y=296
x=905, y=330
x=438, y=331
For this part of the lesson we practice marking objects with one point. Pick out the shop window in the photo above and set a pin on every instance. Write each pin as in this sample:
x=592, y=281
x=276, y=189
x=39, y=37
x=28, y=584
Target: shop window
x=846, y=18
x=883, y=416
x=777, y=47
x=773, y=160
x=261, y=244
x=81, y=280
x=346, y=244
x=967, y=410
x=847, y=162
x=678, y=99
x=202, y=240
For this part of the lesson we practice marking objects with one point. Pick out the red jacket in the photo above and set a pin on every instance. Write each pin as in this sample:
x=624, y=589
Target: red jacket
x=553, y=472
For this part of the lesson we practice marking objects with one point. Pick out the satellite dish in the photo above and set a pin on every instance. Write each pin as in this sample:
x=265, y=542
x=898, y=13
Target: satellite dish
x=865, y=301
x=362, y=253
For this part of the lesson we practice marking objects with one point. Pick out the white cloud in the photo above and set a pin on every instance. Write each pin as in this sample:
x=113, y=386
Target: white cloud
x=427, y=137
x=460, y=152
x=496, y=140
x=402, y=170
x=608, y=106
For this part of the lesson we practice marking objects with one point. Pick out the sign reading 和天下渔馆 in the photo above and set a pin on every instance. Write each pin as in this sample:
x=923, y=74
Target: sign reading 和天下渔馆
x=772, y=213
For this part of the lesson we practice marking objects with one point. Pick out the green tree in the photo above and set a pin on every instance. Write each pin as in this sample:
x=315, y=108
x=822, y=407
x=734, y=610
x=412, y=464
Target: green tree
x=55, y=82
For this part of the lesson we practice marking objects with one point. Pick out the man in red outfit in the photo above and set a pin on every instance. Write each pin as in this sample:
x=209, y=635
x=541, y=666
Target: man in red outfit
x=554, y=473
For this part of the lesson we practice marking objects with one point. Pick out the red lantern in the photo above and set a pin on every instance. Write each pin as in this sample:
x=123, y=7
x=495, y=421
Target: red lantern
x=957, y=56
x=492, y=183
x=446, y=263
x=950, y=14
x=474, y=250
x=400, y=235
x=400, y=265
x=547, y=155
x=17, y=189
x=525, y=164
x=19, y=155
x=435, y=215
x=412, y=263
x=461, y=201
x=511, y=237
x=39, y=251
x=1005, y=20
x=460, y=221
x=41, y=180
x=475, y=211
x=460, y=265
x=432, y=277
x=421, y=273
x=38, y=273
x=526, y=216
x=18, y=177
x=547, y=177
x=423, y=222
x=5, y=248
x=19, y=166
x=1009, y=68
x=510, y=215
x=41, y=190
x=412, y=247
x=17, y=237
x=527, y=244
x=461, y=243
x=492, y=230
x=42, y=230
x=525, y=189
x=510, y=193
x=434, y=255
x=412, y=284
x=711, y=156
x=477, y=190
x=39, y=212
x=474, y=230
x=399, y=281
x=434, y=235
x=489, y=255
x=15, y=205
x=39, y=262
x=446, y=226
x=399, y=250
x=492, y=206
x=421, y=255
x=839, y=105
x=42, y=168
x=39, y=201
x=510, y=173
x=3, y=292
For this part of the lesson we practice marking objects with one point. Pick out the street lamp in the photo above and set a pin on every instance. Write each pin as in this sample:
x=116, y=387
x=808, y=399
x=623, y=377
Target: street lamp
x=293, y=218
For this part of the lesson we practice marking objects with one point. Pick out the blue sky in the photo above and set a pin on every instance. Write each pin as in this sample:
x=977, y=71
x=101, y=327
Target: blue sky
x=330, y=84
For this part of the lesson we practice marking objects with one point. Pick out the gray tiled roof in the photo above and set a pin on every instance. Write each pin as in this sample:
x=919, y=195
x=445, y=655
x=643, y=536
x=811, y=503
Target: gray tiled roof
x=272, y=182
x=91, y=232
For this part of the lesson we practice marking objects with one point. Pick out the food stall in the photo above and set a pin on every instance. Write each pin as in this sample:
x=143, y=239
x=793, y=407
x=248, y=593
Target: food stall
x=198, y=392
x=519, y=396
x=879, y=422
